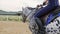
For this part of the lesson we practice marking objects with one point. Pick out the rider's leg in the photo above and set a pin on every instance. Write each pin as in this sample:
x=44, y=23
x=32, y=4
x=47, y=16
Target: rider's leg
x=43, y=11
x=51, y=5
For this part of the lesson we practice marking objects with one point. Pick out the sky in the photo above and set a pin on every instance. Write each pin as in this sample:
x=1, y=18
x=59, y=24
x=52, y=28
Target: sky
x=16, y=5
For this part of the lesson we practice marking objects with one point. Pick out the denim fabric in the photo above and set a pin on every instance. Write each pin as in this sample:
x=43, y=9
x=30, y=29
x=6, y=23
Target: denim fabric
x=53, y=2
x=51, y=5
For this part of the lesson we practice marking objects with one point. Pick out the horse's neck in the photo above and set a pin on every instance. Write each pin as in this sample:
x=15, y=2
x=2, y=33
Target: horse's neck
x=26, y=11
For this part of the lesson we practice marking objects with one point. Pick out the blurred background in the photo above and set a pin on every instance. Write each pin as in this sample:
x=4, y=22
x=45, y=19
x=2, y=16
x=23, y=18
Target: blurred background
x=10, y=16
x=12, y=9
x=16, y=5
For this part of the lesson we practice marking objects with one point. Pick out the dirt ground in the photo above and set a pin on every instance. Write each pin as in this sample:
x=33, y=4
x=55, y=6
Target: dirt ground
x=11, y=27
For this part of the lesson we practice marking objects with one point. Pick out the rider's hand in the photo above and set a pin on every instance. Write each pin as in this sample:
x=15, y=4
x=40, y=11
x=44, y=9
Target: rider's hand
x=44, y=3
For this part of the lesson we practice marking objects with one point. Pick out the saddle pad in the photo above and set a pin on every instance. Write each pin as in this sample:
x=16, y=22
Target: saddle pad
x=53, y=27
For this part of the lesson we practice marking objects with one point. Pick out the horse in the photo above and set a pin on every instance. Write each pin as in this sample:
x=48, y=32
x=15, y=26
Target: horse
x=28, y=12
x=34, y=26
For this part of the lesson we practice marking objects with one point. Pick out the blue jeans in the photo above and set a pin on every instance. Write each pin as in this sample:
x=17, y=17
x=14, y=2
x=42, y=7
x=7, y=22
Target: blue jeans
x=51, y=5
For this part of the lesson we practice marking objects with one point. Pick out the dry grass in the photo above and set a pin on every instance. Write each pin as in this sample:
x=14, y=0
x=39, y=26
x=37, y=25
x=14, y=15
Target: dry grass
x=10, y=18
x=12, y=27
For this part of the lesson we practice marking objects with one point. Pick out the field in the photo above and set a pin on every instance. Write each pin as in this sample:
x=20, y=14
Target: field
x=13, y=26
x=10, y=18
